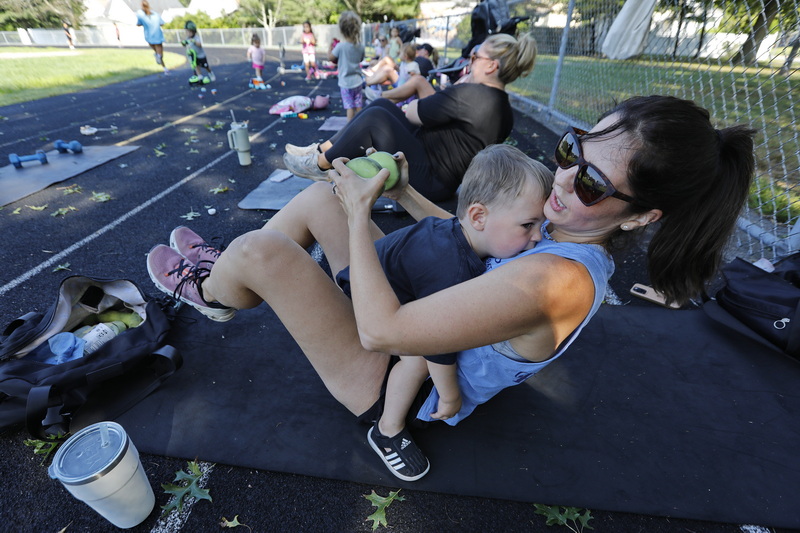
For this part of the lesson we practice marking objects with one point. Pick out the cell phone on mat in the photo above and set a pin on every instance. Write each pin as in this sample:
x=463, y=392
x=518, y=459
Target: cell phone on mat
x=648, y=293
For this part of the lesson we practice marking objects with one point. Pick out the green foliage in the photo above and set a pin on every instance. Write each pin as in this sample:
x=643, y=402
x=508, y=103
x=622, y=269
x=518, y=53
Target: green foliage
x=187, y=488
x=40, y=13
x=740, y=15
x=569, y=517
x=379, y=516
x=45, y=447
x=774, y=199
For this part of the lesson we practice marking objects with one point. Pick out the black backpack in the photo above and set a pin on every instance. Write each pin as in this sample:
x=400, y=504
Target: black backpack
x=53, y=398
x=764, y=306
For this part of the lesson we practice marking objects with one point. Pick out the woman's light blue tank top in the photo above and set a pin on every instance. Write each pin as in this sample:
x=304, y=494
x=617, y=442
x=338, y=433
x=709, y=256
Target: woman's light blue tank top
x=485, y=371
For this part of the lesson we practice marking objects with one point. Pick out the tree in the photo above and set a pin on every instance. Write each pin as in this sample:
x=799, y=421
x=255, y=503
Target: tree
x=40, y=13
x=756, y=18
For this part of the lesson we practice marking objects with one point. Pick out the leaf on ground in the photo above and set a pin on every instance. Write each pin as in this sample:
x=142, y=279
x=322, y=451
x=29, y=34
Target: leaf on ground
x=220, y=189
x=233, y=523
x=72, y=189
x=37, y=207
x=16, y=211
x=193, y=151
x=65, y=528
x=218, y=125
x=191, y=215
x=158, y=152
x=161, y=146
x=185, y=487
x=101, y=196
x=379, y=516
x=190, y=131
x=569, y=517
x=65, y=266
x=45, y=447
x=60, y=212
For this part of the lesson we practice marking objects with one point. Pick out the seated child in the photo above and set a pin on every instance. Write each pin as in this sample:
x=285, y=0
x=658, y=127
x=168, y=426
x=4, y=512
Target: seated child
x=499, y=215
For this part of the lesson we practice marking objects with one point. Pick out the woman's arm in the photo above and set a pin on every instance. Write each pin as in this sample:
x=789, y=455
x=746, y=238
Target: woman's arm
x=539, y=299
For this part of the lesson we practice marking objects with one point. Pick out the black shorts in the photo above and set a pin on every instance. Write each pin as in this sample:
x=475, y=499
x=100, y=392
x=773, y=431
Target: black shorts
x=374, y=413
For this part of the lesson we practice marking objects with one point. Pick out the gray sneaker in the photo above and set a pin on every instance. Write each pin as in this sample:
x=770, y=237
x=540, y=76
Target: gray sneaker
x=305, y=166
x=302, y=150
x=173, y=274
x=193, y=247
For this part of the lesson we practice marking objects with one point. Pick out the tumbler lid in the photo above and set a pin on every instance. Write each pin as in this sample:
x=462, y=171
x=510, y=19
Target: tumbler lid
x=89, y=454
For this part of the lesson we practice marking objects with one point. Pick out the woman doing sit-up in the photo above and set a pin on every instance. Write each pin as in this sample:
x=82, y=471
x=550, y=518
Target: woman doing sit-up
x=650, y=160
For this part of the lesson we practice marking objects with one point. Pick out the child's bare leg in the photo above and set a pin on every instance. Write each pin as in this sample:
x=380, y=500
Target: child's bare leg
x=405, y=379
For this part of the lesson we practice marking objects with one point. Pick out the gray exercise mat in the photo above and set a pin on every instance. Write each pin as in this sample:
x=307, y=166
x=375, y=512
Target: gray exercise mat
x=274, y=192
x=17, y=183
x=281, y=186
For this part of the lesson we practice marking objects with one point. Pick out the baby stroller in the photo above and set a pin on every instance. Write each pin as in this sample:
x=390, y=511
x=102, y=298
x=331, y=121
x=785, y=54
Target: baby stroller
x=487, y=18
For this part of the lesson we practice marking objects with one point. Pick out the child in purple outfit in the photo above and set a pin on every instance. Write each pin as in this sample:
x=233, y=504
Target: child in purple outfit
x=348, y=54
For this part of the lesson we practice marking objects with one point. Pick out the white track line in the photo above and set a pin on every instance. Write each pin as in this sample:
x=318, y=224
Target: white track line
x=54, y=260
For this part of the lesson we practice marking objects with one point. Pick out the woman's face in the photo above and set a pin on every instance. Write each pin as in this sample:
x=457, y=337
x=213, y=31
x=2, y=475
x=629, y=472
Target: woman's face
x=306, y=27
x=570, y=217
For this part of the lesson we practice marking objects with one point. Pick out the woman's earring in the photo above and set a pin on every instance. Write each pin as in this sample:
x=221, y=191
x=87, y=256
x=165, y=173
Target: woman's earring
x=625, y=227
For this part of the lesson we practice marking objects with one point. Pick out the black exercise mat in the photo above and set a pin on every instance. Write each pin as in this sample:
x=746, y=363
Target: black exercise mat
x=651, y=411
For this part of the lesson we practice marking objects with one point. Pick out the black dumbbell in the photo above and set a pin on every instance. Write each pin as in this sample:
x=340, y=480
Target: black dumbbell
x=62, y=146
x=17, y=160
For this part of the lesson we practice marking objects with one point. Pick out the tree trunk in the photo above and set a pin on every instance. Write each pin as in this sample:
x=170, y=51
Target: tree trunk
x=749, y=50
x=702, y=30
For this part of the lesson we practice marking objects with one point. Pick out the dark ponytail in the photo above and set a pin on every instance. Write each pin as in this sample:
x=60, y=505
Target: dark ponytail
x=697, y=176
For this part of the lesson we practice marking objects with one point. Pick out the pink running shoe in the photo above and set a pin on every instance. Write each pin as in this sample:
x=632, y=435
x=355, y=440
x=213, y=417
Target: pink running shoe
x=173, y=274
x=193, y=247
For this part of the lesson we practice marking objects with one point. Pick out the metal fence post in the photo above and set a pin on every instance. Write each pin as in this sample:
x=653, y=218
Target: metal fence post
x=562, y=50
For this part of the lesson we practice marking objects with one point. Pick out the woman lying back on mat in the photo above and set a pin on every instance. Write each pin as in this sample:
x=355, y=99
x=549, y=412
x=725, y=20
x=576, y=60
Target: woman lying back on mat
x=439, y=134
x=650, y=159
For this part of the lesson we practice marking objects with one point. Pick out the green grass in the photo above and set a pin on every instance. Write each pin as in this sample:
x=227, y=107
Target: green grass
x=54, y=71
x=758, y=96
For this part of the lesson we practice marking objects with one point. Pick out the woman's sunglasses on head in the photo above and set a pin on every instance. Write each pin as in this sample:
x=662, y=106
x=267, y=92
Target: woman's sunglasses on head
x=591, y=185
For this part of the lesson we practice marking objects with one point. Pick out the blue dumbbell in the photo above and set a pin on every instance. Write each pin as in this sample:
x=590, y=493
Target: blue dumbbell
x=63, y=147
x=17, y=160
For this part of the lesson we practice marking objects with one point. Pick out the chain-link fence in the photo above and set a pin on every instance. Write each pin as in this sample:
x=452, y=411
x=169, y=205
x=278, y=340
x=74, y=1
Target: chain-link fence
x=734, y=57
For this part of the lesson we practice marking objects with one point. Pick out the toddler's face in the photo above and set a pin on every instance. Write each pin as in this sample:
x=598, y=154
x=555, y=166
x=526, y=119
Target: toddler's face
x=515, y=226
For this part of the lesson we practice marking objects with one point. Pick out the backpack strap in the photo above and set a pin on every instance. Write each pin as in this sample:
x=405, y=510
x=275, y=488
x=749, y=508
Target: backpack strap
x=118, y=395
x=107, y=402
x=39, y=415
x=793, y=342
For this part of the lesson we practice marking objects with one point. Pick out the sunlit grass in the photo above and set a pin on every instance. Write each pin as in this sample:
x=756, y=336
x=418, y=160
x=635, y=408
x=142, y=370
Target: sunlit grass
x=34, y=73
x=758, y=96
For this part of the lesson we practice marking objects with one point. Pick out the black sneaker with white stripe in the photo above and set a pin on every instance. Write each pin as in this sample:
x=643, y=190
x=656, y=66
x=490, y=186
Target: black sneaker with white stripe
x=399, y=453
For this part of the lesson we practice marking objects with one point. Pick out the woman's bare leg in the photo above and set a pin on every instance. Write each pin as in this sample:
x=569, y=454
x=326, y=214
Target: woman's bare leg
x=272, y=265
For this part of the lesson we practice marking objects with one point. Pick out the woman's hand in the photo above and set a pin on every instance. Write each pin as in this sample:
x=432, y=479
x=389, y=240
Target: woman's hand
x=356, y=195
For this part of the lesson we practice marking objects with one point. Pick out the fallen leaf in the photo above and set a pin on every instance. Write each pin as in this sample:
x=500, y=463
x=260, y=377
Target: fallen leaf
x=158, y=152
x=101, y=196
x=37, y=207
x=16, y=211
x=65, y=266
x=191, y=215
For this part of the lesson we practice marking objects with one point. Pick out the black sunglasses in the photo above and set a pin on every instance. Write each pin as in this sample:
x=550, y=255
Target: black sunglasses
x=591, y=185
